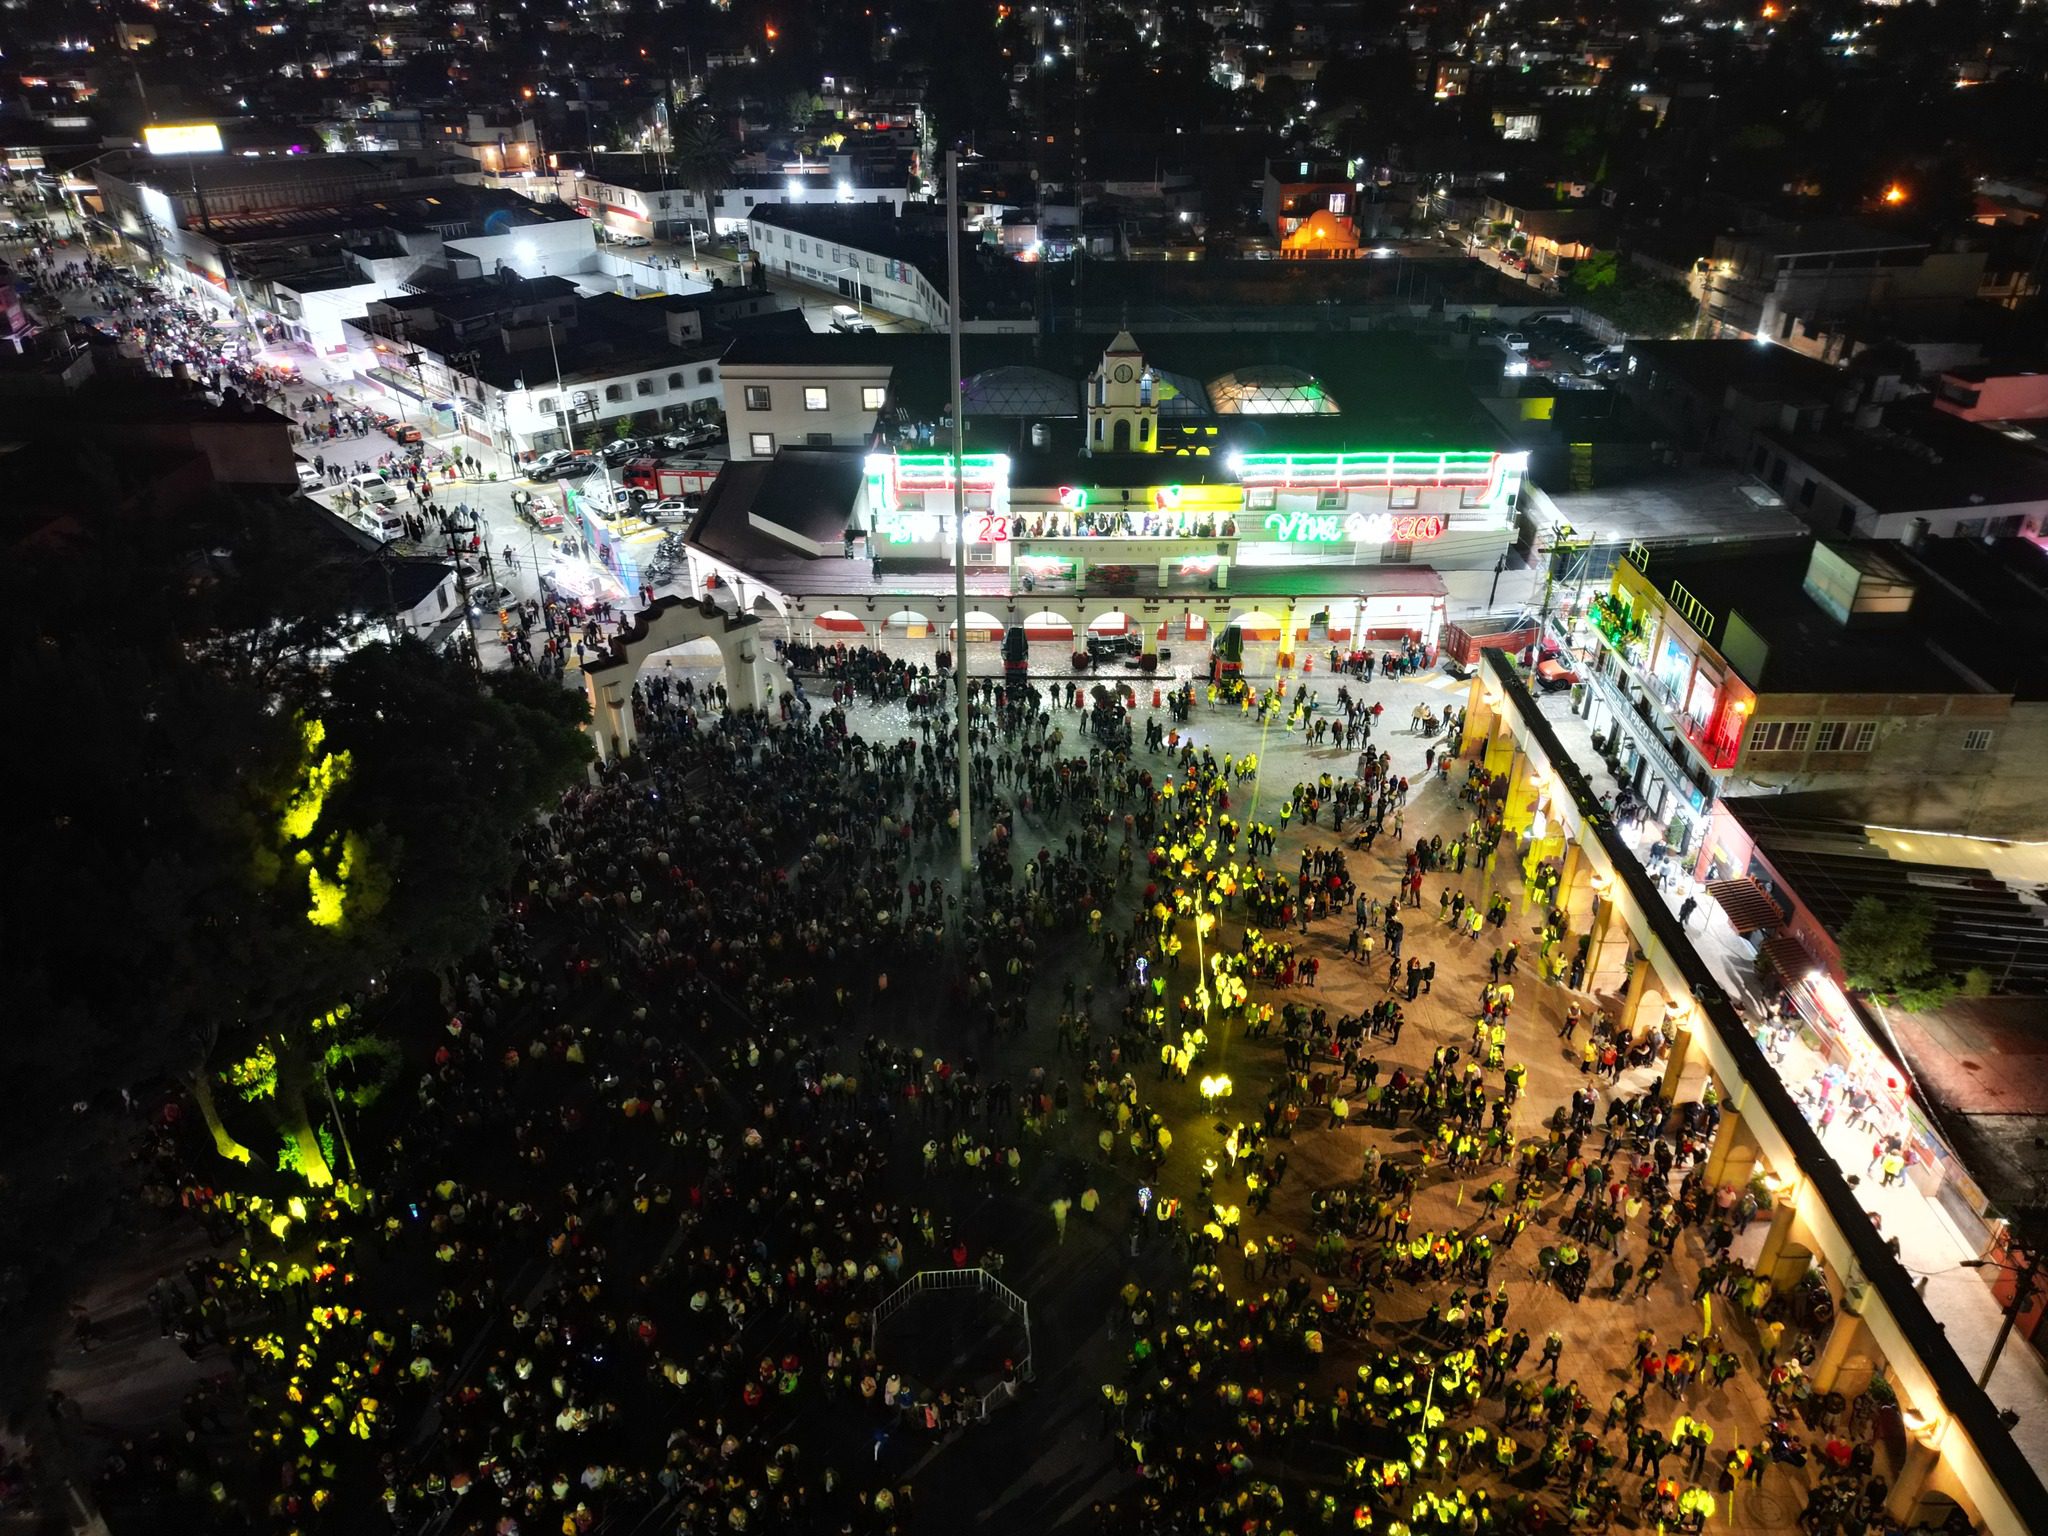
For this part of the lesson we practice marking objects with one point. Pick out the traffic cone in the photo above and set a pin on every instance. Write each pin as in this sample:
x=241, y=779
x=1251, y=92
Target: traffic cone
x=1155, y=696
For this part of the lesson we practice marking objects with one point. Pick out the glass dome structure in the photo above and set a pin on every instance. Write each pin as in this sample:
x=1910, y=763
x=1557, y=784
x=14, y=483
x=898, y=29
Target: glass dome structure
x=1270, y=389
x=1017, y=390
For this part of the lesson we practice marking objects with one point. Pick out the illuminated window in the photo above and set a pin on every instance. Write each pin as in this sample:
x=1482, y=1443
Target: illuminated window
x=1259, y=499
x=1404, y=497
x=1329, y=501
x=1339, y=201
x=757, y=397
x=761, y=445
x=816, y=399
x=873, y=397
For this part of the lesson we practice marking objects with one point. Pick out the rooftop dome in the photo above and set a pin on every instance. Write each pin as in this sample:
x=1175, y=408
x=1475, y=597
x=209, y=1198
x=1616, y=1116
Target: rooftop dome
x=1018, y=390
x=1270, y=389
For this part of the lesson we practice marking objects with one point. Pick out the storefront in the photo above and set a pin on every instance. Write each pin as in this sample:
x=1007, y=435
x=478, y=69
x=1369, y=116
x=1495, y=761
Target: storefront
x=1256, y=509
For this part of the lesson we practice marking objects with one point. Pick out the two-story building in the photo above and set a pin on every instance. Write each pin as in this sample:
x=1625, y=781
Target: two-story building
x=525, y=365
x=1909, y=686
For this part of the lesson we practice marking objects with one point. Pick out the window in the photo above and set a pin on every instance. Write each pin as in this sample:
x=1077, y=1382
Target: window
x=1329, y=501
x=705, y=375
x=761, y=444
x=873, y=397
x=615, y=392
x=1862, y=738
x=1259, y=498
x=1977, y=741
x=643, y=386
x=1806, y=490
x=817, y=439
x=1339, y=201
x=816, y=399
x=757, y=397
x=545, y=405
x=1403, y=497
x=1829, y=737
x=1779, y=735
x=675, y=381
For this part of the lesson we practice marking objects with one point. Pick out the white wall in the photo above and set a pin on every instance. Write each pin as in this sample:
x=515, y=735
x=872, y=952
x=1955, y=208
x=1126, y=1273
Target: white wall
x=895, y=288
x=532, y=250
x=847, y=420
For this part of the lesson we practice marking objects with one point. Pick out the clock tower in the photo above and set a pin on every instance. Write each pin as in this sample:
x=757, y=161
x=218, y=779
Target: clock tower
x=1123, y=407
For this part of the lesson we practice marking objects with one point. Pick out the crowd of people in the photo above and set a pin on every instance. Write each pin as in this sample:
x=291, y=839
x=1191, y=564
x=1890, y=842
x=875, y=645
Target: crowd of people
x=743, y=1055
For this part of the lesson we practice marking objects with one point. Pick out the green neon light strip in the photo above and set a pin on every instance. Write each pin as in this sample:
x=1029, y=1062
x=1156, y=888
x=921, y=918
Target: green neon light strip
x=1332, y=469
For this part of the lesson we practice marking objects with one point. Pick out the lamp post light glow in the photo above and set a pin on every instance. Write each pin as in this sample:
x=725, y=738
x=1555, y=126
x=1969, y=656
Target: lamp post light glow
x=1214, y=1089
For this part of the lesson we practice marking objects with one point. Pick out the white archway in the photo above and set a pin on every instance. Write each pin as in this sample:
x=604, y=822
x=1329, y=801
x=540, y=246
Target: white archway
x=1048, y=625
x=909, y=624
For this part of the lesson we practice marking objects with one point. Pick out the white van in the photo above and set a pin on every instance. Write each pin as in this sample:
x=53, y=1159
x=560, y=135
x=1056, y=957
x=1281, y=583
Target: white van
x=846, y=318
x=375, y=489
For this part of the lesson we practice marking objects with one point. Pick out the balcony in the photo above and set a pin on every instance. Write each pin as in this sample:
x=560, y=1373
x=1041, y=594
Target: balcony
x=1647, y=732
x=1719, y=755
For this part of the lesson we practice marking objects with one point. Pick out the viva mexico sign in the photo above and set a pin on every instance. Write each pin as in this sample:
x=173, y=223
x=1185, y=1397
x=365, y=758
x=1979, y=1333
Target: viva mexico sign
x=1354, y=527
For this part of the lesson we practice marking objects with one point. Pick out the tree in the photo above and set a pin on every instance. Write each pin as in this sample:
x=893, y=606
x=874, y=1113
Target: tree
x=1887, y=951
x=702, y=156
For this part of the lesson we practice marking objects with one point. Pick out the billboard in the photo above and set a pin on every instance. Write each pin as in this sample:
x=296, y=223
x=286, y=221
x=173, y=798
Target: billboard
x=182, y=138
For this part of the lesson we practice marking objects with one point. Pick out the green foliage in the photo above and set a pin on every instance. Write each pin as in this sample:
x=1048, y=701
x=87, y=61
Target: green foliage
x=1600, y=270
x=1888, y=952
x=622, y=427
x=1977, y=982
x=1631, y=299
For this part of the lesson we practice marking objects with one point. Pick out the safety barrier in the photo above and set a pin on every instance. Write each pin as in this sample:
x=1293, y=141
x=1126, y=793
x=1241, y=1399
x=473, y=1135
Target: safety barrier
x=961, y=1280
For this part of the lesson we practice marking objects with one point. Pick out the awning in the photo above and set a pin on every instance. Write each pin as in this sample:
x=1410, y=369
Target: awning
x=1746, y=905
x=1787, y=957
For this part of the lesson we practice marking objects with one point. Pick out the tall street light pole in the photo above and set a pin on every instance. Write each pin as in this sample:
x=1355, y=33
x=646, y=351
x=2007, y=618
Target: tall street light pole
x=2023, y=1292
x=959, y=503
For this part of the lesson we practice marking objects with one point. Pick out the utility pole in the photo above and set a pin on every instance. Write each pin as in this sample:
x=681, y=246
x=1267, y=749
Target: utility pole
x=2023, y=1292
x=959, y=507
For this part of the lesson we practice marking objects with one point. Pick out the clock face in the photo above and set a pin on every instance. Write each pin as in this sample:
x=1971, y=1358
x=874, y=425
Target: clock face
x=1123, y=373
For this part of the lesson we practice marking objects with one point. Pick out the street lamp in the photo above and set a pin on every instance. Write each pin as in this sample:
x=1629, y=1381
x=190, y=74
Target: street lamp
x=2023, y=1292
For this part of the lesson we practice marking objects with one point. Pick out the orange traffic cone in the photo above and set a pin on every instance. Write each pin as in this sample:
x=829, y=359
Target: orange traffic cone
x=1155, y=696
x=1308, y=664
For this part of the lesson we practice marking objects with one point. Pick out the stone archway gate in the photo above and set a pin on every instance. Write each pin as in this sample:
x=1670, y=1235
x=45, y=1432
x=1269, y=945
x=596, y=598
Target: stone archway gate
x=752, y=675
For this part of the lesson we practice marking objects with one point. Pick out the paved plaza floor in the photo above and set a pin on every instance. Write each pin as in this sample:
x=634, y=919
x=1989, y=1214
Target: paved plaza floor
x=1045, y=1461
x=1072, y=1283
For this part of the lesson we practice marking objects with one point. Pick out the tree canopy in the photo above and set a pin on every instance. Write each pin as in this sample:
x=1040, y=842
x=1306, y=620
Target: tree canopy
x=1888, y=951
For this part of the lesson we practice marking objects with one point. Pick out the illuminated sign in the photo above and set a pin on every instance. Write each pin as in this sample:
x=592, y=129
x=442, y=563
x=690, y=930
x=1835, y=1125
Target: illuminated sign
x=1073, y=498
x=911, y=497
x=183, y=138
x=1354, y=528
x=1343, y=471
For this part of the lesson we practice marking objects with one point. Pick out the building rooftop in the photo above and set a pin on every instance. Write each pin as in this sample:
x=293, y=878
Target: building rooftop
x=1825, y=236
x=1918, y=459
x=1971, y=627
x=1758, y=372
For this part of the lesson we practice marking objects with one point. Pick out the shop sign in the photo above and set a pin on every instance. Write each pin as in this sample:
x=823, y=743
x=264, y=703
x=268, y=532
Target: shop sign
x=1354, y=528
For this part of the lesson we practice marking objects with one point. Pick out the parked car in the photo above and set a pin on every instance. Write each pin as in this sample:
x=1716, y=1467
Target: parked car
x=671, y=509
x=490, y=597
x=401, y=431
x=573, y=468
x=310, y=479
x=631, y=242
x=623, y=449
x=1553, y=673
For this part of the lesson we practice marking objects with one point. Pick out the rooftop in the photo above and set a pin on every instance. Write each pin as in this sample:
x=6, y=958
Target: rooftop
x=1973, y=627
x=1918, y=459
x=1759, y=372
